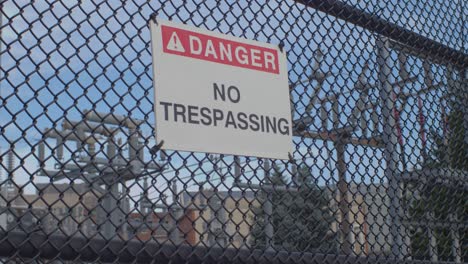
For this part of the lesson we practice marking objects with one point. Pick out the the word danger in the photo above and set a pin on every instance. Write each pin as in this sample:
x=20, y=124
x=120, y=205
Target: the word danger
x=204, y=47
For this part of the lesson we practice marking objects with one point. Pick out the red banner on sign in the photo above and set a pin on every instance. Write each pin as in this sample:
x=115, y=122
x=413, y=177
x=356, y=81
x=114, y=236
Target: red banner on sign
x=204, y=47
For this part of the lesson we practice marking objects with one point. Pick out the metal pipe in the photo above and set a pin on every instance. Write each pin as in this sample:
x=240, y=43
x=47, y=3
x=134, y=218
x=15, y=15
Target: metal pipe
x=68, y=135
x=117, y=162
x=363, y=88
x=405, y=96
x=264, y=187
x=404, y=76
x=405, y=81
x=88, y=127
x=375, y=142
x=113, y=119
x=399, y=249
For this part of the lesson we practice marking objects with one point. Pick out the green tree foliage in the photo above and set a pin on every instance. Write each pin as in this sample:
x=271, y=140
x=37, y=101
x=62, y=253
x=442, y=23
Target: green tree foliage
x=437, y=201
x=301, y=220
x=450, y=152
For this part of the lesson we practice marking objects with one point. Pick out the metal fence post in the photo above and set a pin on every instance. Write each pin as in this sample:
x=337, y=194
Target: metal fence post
x=433, y=252
x=464, y=97
x=343, y=203
x=398, y=247
x=268, y=208
x=456, y=249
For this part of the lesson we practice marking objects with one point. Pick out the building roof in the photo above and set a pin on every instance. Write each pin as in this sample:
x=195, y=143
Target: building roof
x=45, y=188
x=236, y=195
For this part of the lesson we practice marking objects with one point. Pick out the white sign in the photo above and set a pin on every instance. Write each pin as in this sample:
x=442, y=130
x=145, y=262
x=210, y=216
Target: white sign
x=219, y=94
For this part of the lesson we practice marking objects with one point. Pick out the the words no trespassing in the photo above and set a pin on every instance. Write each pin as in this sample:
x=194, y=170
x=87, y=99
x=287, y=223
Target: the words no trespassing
x=208, y=116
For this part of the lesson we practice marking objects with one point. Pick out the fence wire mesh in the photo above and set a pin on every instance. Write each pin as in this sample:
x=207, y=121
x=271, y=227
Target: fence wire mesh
x=379, y=173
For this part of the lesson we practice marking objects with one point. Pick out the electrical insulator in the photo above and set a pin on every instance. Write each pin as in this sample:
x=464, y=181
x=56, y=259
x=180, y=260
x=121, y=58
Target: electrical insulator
x=428, y=76
x=92, y=148
x=59, y=148
x=402, y=58
x=364, y=124
x=41, y=154
x=141, y=152
x=324, y=115
x=111, y=148
x=335, y=110
x=10, y=163
x=132, y=144
x=318, y=60
x=375, y=121
x=237, y=169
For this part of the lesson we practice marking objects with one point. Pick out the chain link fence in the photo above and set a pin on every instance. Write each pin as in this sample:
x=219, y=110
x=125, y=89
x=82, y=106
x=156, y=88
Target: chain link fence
x=379, y=173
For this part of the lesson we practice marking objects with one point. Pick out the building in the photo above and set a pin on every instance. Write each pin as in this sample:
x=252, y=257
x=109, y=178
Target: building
x=160, y=227
x=225, y=218
x=68, y=209
x=357, y=220
x=375, y=204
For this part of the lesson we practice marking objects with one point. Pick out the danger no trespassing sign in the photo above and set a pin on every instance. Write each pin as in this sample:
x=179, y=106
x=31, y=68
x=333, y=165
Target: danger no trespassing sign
x=219, y=94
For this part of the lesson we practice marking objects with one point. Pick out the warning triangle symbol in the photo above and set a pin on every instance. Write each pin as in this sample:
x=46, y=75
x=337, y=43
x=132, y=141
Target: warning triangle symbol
x=175, y=44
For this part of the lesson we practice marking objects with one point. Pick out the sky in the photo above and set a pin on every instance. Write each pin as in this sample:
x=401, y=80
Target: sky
x=59, y=58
